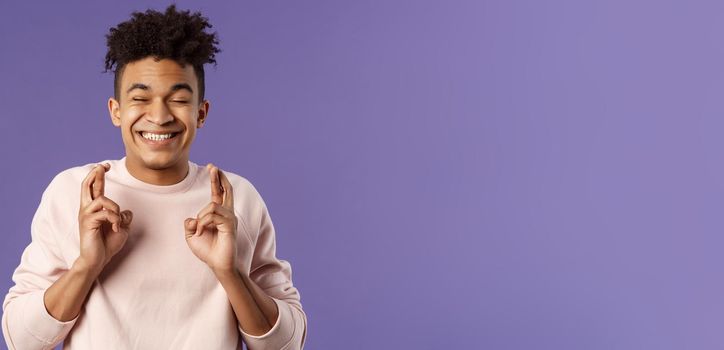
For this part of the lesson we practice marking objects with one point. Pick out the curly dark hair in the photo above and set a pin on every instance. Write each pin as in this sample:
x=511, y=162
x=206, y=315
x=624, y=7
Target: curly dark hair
x=177, y=35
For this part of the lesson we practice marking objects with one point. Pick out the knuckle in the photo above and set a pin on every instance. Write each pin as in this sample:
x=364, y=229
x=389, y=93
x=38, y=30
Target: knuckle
x=87, y=210
x=108, y=202
x=112, y=203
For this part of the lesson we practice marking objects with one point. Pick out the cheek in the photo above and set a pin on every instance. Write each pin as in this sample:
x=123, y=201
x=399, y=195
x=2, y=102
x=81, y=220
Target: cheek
x=190, y=134
x=191, y=128
x=126, y=127
x=127, y=123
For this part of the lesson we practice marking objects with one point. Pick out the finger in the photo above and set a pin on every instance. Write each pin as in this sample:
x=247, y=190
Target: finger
x=85, y=196
x=209, y=208
x=228, y=190
x=126, y=218
x=85, y=190
x=209, y=221
x=215, y=208
x=99, y=181
x=102, y=202
x=216, y=190
x=202, y=222
x=190, y=227
x=102, y=216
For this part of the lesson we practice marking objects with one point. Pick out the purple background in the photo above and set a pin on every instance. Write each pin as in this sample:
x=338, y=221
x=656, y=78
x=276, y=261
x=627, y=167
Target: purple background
x=452, y=174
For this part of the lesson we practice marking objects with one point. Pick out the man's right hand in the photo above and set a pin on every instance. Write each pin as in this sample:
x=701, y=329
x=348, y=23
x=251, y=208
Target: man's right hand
x=103, y=226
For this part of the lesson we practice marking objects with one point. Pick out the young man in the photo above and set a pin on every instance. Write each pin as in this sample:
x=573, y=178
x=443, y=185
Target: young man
x=153, y=251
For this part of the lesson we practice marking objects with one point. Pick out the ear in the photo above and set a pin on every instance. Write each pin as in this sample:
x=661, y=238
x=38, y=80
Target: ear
x=203, y=112
x=114, y=111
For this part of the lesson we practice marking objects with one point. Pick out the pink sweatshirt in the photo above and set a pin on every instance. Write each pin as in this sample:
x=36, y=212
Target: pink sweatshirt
x=155, y=293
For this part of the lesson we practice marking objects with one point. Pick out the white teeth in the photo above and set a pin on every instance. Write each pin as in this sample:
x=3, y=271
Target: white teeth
x=156, y=137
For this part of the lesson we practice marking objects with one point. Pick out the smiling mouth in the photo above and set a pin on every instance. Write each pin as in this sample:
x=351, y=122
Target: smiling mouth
x=155, y=138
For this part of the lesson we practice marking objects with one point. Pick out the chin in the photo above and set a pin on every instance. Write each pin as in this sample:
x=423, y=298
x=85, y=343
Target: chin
x=159, y=162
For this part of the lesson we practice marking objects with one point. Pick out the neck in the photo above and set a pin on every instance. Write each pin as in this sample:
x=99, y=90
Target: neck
x=160, y=177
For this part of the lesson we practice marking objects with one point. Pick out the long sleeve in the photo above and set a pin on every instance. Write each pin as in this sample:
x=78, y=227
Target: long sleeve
x=26, y=322
x=274, y=276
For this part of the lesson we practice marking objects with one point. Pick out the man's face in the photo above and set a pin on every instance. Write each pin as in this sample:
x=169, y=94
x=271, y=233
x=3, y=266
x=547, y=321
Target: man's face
x=159, y=98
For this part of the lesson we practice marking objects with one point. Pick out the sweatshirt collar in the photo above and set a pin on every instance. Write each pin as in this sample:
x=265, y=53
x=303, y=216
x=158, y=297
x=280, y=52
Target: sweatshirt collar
x=126, y=178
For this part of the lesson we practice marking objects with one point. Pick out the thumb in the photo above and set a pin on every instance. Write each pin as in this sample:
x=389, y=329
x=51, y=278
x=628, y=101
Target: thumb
x=126, y=218
x=190, y=226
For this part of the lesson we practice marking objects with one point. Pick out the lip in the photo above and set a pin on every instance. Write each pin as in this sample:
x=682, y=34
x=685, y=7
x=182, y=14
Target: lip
x=159, y=132
x=159, y=143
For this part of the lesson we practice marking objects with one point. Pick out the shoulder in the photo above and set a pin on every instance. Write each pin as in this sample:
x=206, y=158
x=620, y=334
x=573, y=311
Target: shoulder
x=244, y=189
x=61, y=198
x=67, y=182
x=75, y=174
x=248, y=202
x=238, y=181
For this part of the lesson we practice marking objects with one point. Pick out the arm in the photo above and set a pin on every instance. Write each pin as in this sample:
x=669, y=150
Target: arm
x=103, y=230
x=26, y=322
x=251, y=305
x=271, y=279
x=42, y=307
x=265, y=302
x=64, y=298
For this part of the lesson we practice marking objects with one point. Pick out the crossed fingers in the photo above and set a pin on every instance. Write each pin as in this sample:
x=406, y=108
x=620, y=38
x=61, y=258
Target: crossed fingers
x=92, y=198
x=220, y=210
x=221, y=190
x=94, y=184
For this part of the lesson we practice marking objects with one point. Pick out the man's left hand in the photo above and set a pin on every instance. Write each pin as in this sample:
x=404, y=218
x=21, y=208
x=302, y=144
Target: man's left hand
x=211, y=236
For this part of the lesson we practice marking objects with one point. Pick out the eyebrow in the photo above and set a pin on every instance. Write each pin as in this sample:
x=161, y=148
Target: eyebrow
x=175, y=87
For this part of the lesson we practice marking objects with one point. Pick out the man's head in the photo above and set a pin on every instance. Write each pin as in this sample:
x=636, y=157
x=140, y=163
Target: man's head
x=159, y=84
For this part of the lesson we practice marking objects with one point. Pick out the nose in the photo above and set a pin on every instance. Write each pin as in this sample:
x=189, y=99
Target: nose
x=159, y=113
